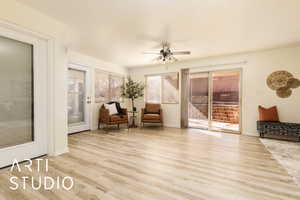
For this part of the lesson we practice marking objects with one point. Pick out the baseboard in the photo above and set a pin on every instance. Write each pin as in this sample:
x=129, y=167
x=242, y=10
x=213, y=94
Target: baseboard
x=60, y=152
x=171, y=126
x=251, y=134
x=94, y=128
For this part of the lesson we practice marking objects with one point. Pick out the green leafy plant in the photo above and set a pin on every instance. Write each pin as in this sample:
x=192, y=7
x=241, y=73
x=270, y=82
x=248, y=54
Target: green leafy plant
x=132, y=90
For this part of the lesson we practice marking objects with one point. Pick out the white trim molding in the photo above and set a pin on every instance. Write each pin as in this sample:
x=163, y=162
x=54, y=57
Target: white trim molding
x=50, y=77
x=250, y=134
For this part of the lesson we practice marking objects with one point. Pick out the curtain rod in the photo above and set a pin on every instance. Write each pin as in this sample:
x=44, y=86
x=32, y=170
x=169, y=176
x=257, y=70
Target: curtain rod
x=214, y=65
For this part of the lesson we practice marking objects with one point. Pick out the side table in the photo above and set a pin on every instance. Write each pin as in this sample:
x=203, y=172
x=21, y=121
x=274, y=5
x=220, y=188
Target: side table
x=133, y=116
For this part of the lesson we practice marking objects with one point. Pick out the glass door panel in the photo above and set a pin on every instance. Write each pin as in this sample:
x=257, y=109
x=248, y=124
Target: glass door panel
x=16, y=93
x=23, y=97
x=76, y=97
x=225, y=104
x=79, y=99
x=199, y=101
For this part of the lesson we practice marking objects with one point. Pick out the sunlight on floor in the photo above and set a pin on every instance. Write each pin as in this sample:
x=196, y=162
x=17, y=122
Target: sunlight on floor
x=195, y=123
x=207, y=132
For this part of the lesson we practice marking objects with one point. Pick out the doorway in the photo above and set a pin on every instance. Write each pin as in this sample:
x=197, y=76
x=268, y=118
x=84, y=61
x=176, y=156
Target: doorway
x=23, y=97
x=79, y=98
x=215, y=101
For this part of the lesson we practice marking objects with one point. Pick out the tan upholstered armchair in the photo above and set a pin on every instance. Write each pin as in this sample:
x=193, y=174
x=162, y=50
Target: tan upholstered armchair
x=106, y=119
x=152, y=113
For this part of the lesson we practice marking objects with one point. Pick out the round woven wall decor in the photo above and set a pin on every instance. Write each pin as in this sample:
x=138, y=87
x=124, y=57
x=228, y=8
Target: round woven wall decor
x=293, y=83
x=278, y=79
x=284, y=92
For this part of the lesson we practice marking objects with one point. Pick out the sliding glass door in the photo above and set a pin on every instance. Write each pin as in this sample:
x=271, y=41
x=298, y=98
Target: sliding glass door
x=199, y=100
x=214, y=101
x=225, y=101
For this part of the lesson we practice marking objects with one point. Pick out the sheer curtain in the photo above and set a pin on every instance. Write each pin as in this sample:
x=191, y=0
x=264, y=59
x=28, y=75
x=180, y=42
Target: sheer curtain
x=184, y=97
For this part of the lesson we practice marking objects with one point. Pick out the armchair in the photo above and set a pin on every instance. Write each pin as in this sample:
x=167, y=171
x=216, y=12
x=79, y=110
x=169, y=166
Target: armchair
x=107, y=119
x=152, y=113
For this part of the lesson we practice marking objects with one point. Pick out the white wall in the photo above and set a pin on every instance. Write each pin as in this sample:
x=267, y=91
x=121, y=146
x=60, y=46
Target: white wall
x=255, y=91
x=93, y=64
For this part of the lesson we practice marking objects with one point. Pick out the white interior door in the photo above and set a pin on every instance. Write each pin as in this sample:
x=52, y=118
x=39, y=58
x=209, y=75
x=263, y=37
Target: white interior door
x=23, y=96
x=79, y=98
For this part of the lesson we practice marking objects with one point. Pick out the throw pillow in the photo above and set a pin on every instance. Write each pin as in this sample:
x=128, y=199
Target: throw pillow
x=118, y=106
x=268, y=114
x=112, y=108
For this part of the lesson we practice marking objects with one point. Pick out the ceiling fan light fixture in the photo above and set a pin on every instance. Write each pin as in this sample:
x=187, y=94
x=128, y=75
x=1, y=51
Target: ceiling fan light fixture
x=166, y=55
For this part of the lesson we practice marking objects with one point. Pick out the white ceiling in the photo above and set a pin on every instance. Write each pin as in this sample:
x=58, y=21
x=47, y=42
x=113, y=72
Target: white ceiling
x=119, y=31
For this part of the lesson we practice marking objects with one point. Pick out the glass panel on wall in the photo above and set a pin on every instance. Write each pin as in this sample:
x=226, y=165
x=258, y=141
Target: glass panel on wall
x=153, y=89
x=170, y=88
x=225, y=101
x=76, y=96
x=16, y=93
x=199, y=100
x=116, y=83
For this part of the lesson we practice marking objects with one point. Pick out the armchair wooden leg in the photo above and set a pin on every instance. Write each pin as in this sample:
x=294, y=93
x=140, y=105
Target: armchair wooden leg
x=118, y=126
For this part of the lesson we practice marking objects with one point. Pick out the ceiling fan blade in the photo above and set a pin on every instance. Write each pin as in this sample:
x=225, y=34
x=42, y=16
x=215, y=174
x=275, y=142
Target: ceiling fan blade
x=149, y=38
x=152, y=52
x=181, y=52
x=157, y=58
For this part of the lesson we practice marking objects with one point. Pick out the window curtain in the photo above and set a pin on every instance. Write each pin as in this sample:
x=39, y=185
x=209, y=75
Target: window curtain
x=185, y=80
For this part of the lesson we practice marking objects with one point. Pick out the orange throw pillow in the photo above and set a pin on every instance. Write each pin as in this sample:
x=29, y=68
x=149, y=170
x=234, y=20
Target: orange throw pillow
x=268, y=114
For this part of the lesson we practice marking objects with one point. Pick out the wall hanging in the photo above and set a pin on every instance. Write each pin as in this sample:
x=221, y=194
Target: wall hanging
x=282, y=82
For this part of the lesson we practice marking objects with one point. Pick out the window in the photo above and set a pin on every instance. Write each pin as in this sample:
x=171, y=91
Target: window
x=101, y=86
x=170, y=87
x=153, y=84
x=162, y=88
x=116, y=83
x=107, y=87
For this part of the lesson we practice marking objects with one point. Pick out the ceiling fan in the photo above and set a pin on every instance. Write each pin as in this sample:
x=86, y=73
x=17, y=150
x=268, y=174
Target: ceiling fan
x=165, y=55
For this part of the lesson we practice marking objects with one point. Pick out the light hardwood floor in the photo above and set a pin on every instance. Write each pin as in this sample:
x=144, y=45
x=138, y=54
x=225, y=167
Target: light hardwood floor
x=168, y=164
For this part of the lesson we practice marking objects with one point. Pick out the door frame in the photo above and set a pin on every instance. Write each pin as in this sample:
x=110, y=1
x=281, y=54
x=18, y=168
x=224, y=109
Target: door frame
x=39, y=145
x=88, y=106
x=210, y=90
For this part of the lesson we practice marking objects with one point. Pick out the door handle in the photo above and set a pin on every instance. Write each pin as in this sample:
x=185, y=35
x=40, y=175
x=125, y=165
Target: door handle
x=88, y=102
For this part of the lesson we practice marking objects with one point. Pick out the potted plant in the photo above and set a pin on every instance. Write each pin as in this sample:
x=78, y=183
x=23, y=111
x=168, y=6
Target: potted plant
x=132, y=90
